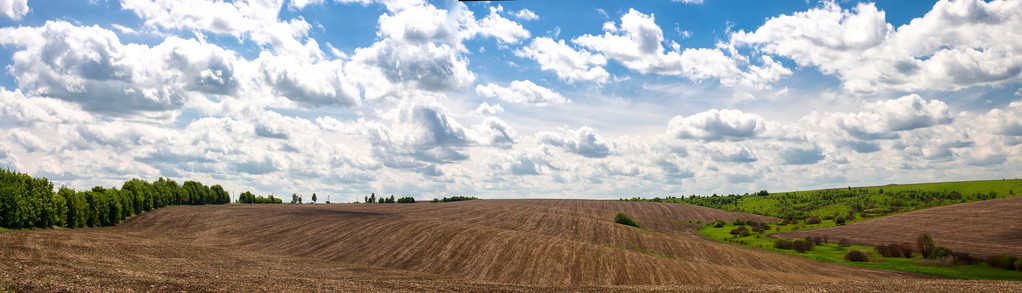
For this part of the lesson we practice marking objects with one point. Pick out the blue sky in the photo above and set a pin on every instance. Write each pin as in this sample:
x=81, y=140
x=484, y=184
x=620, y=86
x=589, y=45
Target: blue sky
x=579, y=99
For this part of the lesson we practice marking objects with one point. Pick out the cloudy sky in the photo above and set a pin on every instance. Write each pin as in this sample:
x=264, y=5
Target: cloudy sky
x=586, y=99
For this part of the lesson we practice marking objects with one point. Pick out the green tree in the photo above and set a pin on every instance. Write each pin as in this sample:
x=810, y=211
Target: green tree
x=925, y=245
x=294, y=198
x=313, y=197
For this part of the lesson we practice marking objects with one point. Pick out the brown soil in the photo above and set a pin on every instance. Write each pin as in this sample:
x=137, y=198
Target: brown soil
x=487, y=245
x=983, y=228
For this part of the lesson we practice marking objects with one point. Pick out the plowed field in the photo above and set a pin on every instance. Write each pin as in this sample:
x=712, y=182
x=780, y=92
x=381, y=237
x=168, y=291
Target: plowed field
x=485, y=245
x=983, y=228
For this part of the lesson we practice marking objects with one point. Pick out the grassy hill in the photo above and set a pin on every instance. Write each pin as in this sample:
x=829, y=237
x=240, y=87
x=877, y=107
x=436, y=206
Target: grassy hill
x=859, y=202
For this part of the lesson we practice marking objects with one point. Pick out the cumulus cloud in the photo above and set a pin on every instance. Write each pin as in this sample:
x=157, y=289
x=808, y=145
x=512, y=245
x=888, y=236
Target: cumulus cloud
x=718, y=125
x=569, y=64
x=884, y=119
x=801, y=156
x=14, y=9
x=638, y=44
x=525, y=14
x=584, y=142
x=90, y=66
x=311, y=83
x=522, y=92
x=958, y=44
x=487, y=109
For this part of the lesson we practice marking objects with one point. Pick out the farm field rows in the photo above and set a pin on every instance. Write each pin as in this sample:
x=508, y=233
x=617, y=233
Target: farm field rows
x=488, y=245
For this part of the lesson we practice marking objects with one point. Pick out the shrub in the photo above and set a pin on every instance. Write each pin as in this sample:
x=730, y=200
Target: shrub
x=782, y=243
x=839, y=221
x=940, y=252
x=623, y=219
x=843, y=242
x=718, y=223
x=817, y=240
x=739, y=230
x=964, y=258
x=406, y=199
x=738, y=222
x=925, y=245
x=813, y=220
x=856, y=255
x=744, y=233
x=1018, y=265
x=1002, y=261
x=801, y=245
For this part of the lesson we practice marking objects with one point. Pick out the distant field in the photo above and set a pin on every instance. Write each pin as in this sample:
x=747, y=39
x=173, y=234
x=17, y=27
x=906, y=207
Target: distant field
x=860, y=202
x=484, y=245
x=992, y=227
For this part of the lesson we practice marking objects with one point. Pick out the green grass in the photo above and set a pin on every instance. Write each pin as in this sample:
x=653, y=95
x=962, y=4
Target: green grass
x=861, y=202
x=834, y=253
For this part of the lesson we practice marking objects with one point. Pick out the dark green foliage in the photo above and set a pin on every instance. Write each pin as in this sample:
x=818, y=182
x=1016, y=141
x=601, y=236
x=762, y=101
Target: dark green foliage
x=739, y=230
x=406, y=199
x=435, y=200
x=1006, y=262
x=813, y=220
x=801, y=245
x=895, y=250
x=925, y=245
x=763, y=193
x=744, y=233
x=718, y=223
x=313, y=197
x=455, y=198
x=738, y=222
x=27, y=202
x=839, y=221
x=623, y=219
x=248, y=197
x=940, y=252
x=963, y=258
x=856, y=255
x=391, y=199
x=781, y=243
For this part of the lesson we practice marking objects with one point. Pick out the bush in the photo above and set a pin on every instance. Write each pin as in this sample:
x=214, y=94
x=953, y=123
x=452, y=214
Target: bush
x=839, y=221
x=718, y=224
x=782, y=243
x=801, y=245
x=856, y=255
x=623, y=219
x=813, y=220
x=816, y=240
x=1006, y=262
x=406, y=199
x=744, y=233
x=963, y=258
x=843, y=242
x=738, y=222
x=925, y=245
x=739, y=230
x=941, y=252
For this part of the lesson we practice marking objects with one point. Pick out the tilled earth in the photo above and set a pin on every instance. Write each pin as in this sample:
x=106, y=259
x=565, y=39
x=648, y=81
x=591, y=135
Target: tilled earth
x=478, y=246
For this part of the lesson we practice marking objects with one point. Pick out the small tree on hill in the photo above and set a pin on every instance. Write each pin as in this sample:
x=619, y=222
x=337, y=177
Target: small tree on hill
x=623, y=219
x=925, y=245
x=801, y=245
x=313, y=197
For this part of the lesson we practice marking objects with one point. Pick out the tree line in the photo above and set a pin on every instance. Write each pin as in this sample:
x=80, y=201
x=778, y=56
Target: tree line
x=29, y=202
x=248, y=197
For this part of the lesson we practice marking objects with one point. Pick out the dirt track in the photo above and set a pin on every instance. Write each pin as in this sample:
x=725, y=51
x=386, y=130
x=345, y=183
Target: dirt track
x=488, y=245
x=983, y=228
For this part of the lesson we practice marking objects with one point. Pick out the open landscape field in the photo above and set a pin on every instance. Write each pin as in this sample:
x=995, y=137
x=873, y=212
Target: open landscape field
x=984, y=228
x=484, y=245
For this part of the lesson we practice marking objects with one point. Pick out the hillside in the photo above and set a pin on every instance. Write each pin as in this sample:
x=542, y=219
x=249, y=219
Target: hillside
x=493, y=244
x=982, y=228
x=860, y=202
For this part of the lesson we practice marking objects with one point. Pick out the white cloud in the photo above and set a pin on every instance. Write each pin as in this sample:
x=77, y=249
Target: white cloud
x=487, y=109
x=569, y=64
x=522, y=92
x=958, y=44
x=525, y=14
x=884, y=119
x=14, y=9
x=584, y=141
x=90, y=66
x=503, y=29
x=319, y=83
x=689, y=1
x=637, y=43
x=718, y=125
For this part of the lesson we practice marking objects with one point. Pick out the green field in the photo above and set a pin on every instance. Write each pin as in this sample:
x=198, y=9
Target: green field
x=833, y=253
x=859, y=202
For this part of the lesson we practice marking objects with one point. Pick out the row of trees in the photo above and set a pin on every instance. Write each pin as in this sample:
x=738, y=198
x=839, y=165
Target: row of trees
x=28, y=202
x=248, y=197
x=453, y=199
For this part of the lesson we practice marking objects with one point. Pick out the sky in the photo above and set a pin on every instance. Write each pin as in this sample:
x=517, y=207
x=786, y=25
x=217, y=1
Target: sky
x=511, y=99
